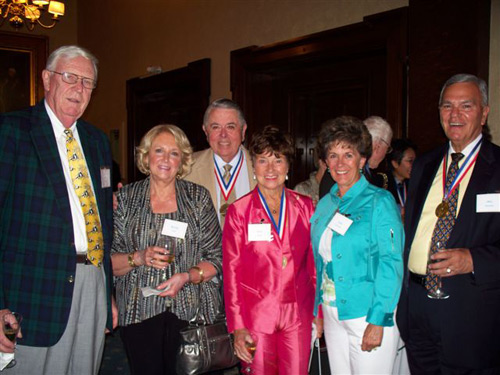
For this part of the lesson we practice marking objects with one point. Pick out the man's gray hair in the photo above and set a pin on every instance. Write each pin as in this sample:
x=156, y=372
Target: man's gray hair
x=378, y=128
x=462, y=78
x=70, y=52
x=224, y=103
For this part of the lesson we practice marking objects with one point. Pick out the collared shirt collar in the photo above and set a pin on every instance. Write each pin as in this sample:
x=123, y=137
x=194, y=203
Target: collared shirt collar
x=468, y=149
x=353, y=192
x=221, y=163
x=57, y=125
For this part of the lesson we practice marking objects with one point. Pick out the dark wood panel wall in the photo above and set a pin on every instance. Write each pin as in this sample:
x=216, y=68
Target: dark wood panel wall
x=446, y=37
x=392, y=64
x=177, y=97
x=357, y=70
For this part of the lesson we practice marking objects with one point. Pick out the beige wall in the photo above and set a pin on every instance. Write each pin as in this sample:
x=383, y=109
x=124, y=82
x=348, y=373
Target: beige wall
x=172, y=33
x=128, y=36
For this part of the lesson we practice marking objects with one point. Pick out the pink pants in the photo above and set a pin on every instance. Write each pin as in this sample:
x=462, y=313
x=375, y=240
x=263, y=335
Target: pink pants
x=286, y=351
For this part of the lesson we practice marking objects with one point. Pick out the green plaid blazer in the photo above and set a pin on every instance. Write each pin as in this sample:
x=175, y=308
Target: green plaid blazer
x=37, y=251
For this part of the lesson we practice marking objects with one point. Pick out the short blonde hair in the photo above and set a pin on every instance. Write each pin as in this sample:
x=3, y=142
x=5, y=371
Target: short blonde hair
x=181, y=140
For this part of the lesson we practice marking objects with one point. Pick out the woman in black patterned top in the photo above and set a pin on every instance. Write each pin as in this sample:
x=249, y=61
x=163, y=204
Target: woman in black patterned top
x=160, y=206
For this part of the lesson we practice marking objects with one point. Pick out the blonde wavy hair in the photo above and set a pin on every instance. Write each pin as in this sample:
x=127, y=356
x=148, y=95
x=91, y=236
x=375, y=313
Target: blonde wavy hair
x=181, y=140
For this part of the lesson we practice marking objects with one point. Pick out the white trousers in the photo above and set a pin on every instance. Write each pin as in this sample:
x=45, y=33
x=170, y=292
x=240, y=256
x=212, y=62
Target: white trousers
x=343, y=342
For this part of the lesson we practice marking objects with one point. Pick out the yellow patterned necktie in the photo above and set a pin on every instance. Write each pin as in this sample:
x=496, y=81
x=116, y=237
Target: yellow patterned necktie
x=83, y=188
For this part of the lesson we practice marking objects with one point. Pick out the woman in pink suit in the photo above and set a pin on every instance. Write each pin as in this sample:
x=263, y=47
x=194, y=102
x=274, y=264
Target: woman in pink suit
x=268, y=265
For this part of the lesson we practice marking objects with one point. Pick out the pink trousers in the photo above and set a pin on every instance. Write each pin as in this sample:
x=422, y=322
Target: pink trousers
x=286, y=350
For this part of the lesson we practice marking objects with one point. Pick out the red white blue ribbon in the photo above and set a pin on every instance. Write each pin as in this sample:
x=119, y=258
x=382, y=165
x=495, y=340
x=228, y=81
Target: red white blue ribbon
x=280, y=227
x=226, y=188
x=468, y=163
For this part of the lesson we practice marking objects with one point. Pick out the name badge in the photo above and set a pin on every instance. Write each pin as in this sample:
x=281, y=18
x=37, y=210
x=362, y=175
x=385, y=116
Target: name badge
x=340, y=223
x=488, y=203
x=174, y=228
x=259, y=232
x=105, y=177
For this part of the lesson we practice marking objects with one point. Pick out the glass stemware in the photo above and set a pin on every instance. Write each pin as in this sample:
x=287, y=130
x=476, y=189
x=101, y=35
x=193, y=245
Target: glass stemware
x=437, y=293
x=11, y=325
x=252, y=348
x=168, y=243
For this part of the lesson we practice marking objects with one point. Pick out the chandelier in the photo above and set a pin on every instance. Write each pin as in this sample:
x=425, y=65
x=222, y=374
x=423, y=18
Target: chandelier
x=30, y=12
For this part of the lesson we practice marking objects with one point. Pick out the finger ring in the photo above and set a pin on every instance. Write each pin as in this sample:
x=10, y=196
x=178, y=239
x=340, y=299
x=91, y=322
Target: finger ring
x=448, y=270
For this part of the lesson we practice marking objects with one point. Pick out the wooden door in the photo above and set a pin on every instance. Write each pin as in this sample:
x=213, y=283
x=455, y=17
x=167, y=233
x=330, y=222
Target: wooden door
x=177, y=97
x=357, y=70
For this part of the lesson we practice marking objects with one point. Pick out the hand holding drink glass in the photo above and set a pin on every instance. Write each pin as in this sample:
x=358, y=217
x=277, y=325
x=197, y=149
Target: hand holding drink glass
x=11, y=324
x=245, y=346
x=437, y=292
x=166, y=255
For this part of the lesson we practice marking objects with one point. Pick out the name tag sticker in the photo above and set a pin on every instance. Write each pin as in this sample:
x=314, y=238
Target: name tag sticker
x=105, y=177
x=259, y=232
x=174, y=228
x=340, y=223
x=488, y=203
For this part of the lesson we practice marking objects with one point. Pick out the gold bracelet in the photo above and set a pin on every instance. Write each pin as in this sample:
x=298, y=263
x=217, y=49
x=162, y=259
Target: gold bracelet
x=200, y=272
x=130, y=259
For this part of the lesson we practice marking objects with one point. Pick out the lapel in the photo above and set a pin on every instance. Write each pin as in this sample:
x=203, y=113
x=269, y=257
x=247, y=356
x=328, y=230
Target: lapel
x=206, y=173
x=478, y=184
x=258, y=214
x=90, y=148
x=45, y=144
x=293, y=209
x=251, y=180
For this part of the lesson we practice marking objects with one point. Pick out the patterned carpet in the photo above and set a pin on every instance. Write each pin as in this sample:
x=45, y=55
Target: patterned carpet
x=114, y=361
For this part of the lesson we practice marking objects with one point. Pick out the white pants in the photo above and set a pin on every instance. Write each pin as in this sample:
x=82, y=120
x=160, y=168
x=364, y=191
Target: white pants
x=343, y=342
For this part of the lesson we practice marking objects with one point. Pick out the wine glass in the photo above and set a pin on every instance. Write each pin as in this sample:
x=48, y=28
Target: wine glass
x=438, y=292
x=11, y=326
x=252, y=348
x=168, y=243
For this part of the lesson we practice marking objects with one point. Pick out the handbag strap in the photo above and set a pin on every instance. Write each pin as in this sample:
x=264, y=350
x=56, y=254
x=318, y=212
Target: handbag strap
x=199, y=320
x=316, y=346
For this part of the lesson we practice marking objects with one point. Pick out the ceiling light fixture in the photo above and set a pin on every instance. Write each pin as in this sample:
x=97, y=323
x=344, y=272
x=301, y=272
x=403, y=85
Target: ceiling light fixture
x=30, y=12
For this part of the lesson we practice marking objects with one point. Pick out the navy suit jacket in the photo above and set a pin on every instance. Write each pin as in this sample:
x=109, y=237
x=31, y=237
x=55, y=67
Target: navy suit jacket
x=37, y=251
x=470, y=318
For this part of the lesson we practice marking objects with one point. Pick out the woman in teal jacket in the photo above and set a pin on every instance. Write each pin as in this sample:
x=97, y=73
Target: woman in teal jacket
x=357, y=239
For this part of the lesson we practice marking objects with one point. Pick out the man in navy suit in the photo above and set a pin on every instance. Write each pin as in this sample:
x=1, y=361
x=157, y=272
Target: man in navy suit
x=459, y=334
x=52, y=269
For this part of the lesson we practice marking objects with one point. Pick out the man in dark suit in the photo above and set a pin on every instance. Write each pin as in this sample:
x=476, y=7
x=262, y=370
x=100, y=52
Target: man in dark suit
x=453, y=214
x=56, y=224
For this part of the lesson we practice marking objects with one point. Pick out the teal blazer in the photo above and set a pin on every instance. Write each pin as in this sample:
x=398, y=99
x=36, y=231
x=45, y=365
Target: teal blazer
x=367, y=265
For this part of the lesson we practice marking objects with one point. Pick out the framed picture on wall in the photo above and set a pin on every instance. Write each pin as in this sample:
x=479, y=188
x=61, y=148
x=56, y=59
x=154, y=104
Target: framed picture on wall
x=22, y=59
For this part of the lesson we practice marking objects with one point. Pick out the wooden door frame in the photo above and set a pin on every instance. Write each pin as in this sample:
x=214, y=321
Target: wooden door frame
x=385, y=31
x=194, y=78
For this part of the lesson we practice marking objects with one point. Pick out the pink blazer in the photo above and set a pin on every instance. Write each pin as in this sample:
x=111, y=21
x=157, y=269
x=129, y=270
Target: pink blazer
x=252, y=270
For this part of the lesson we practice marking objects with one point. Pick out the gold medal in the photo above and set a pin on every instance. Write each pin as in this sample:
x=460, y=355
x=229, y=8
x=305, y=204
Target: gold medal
x=442, y=209
x=223, y=209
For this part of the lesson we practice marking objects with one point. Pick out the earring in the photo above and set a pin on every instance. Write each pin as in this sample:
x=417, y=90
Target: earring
x=286, y=177
x=254, y=178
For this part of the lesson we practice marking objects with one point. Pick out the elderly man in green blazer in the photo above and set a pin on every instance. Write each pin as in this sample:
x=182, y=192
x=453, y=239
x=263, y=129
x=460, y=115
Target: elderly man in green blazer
x=56, y=224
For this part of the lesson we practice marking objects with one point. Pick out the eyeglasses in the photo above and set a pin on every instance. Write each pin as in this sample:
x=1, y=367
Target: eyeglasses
x=72, y=78
x=389, y=148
